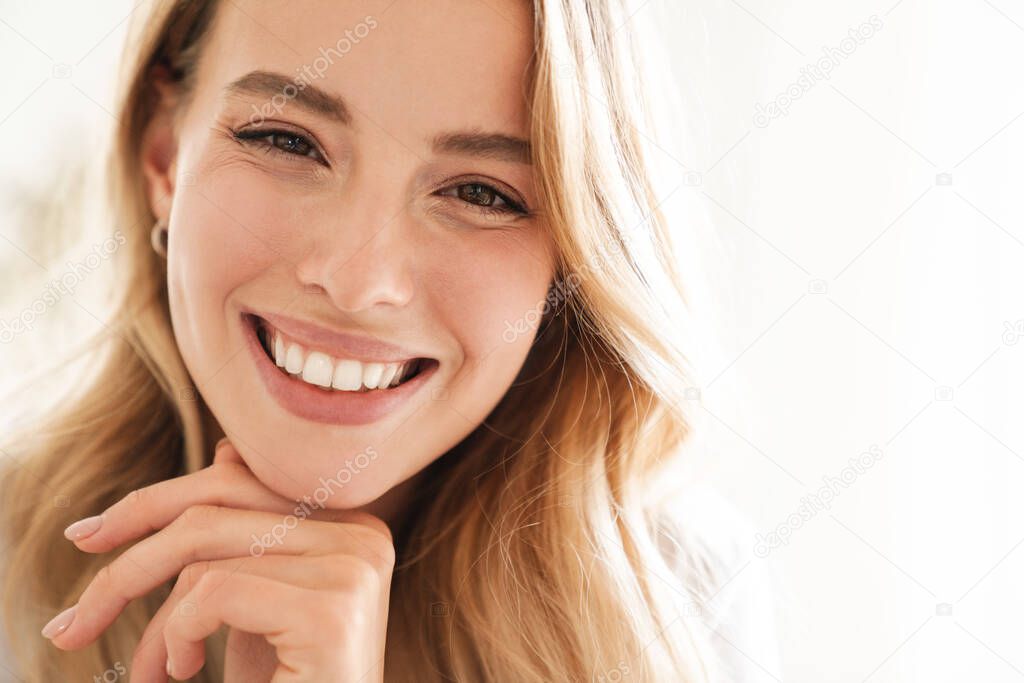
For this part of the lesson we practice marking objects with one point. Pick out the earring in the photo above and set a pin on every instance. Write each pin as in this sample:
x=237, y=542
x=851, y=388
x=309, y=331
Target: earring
x=158, y=238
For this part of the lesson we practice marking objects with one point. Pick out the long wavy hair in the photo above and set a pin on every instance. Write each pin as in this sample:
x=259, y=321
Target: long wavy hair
x=544, y=545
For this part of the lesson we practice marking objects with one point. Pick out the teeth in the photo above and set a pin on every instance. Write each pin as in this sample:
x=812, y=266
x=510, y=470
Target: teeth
x=318, y=369
x=345, y=374
x=372, y=373
x=293, y=361
x=278, y=350
x=348, y=375
x=390, y=372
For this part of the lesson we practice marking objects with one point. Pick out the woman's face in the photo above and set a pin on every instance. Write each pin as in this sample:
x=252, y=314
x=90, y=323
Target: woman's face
x=351, y=185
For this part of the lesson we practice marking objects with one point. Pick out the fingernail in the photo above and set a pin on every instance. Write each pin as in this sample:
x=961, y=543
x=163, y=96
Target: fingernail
x=168, y=667
x=59, y=623
x=83, y=528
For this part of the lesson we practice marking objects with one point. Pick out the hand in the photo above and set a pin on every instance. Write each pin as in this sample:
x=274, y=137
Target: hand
x=317, y=593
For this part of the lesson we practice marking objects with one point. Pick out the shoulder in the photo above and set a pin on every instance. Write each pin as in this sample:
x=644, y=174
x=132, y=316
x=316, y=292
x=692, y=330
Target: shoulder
x=708, y=543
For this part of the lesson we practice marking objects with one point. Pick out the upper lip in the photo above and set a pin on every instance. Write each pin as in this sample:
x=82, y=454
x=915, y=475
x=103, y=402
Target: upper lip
x=338, y=344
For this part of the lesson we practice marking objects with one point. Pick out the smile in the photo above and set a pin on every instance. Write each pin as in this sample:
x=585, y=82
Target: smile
x=320, y=379
x=323, y=370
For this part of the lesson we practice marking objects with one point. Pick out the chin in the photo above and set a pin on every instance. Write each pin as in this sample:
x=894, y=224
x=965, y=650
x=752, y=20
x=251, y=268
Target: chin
x=339, y=477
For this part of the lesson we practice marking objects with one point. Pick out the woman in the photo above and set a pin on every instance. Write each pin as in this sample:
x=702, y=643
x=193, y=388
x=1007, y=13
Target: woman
x=390, y=392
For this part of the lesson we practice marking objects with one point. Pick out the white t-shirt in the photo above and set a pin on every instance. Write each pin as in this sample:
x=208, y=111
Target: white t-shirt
x=739, y=608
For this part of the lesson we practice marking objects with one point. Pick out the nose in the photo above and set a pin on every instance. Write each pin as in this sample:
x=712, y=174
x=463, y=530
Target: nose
x=361, y=260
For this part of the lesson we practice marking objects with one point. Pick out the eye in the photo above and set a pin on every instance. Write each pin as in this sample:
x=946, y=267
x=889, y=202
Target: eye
x=279, y=141
x=485, y=198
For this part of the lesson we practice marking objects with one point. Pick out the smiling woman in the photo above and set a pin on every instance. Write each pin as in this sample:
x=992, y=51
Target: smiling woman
x=310, y=401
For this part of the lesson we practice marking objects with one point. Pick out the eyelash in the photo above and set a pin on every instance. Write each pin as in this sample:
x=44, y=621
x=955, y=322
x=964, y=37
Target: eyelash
x=512, y=207
x=261, y=138
x=258, y=137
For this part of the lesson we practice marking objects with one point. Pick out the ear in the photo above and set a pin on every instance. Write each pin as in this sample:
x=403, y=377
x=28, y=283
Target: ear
x=159, y=144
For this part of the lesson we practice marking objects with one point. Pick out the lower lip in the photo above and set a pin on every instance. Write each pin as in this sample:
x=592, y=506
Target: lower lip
x=328, y=406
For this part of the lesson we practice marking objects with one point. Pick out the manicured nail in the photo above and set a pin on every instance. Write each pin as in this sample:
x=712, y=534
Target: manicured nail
x=60, y=623
x=83, y=528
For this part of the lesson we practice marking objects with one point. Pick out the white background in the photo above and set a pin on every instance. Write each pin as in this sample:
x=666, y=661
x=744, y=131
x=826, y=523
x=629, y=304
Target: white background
x=867, y=302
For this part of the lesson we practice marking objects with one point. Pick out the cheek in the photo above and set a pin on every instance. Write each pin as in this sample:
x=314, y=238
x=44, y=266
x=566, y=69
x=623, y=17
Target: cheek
x=237, y=213
x=220, y=240
x=490, y=283
x=491, y=289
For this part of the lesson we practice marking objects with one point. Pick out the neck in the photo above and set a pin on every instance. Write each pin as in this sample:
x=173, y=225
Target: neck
x=395, y=505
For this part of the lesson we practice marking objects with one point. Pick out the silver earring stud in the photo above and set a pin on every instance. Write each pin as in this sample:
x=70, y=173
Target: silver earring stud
x=158, y=238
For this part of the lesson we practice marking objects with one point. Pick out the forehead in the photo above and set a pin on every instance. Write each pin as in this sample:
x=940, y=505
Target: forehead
x=405, y=66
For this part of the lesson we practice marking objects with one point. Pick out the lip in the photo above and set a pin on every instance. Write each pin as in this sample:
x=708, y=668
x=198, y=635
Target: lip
x=338, y=344
x=322, y=405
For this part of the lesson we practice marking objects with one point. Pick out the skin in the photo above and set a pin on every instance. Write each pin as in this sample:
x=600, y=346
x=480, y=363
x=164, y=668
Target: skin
x=372, y=238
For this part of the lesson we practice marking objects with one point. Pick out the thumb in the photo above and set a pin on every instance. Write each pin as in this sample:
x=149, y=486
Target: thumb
x=225, y=452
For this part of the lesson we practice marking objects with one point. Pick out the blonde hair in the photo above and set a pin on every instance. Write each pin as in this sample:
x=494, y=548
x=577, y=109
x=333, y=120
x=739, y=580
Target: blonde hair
x=539, y=551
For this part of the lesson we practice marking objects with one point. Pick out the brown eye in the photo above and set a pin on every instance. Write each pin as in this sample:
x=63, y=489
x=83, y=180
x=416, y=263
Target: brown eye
x=280, y=142
x=486, y=199
x=294, y=144
x=476, y=193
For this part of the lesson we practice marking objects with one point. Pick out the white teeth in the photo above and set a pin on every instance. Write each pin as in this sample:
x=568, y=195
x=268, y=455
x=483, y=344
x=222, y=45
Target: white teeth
x=318, y=369
x=372, y=373
x=278, y=350
x=322, y=370
x=348, y=375
x=403, y=370
x=390, y=372
x=293, y=361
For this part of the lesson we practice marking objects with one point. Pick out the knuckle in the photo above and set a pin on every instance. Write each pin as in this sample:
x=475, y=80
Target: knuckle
x=372, y=541
x=191, y=575
x=198, y=516
x=105, y=577
x=362, y=578
x=380, y=551
x=374, y=523
x=138, y=498
x=209, y=581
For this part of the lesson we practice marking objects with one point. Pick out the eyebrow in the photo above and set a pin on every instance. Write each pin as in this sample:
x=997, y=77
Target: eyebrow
x=311, y=98
x=476, y=143
x=487, y=145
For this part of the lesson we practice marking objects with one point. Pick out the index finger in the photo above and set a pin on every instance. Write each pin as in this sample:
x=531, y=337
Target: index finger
x=224, y=451
x=151, y=508
x=228, y=482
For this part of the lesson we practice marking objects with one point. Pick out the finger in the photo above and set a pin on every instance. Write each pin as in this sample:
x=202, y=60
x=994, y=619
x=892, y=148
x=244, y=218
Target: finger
x=224, y=451
x=221, y=597
x=150, y=658
x=153, y=507
x=151, y=653
x=211, y=533
x=225, y=483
